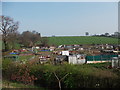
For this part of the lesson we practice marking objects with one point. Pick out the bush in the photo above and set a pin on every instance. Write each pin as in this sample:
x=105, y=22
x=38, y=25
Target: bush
x=8, y=67
x=23, y=75
x=79, y=76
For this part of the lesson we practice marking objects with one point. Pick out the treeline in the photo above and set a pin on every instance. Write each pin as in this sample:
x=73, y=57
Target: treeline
x=115, y=35
x=12, y=39
x=31, y=38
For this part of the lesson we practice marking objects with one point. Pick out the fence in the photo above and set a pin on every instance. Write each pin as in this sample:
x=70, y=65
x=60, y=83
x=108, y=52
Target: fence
x=100, y=57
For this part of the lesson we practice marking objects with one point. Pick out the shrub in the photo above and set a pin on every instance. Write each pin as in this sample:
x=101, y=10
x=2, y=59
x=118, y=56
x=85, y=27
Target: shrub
x=23, y=75
x=79, y=76
x=8, y=67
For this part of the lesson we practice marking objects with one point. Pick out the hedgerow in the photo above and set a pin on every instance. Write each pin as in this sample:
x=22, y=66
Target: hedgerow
x=76, y=76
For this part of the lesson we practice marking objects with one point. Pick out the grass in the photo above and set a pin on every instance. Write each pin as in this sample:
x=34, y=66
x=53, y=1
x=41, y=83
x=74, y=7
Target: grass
x=9, y=84
x=70, y=40
x=100, y=65
x=25, y=57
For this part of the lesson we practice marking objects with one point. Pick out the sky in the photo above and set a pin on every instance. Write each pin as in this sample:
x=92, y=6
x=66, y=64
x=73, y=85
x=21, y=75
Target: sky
x=64, y=18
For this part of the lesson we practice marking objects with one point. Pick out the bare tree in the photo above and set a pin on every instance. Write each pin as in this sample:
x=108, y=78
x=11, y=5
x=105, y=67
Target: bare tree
x=8, y=27
x=59, y=80
x=29, y=38
x=25, y=38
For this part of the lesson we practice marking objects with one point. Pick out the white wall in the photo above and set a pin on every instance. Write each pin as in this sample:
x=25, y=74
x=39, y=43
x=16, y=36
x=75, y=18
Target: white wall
x=65, y=53
x=72, y=60
x=75, y=60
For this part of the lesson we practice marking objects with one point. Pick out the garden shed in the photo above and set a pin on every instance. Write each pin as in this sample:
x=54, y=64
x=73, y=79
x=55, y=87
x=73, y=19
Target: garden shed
x=61, y=58
x=65, y=53
x=77, y=59
x=115, y=62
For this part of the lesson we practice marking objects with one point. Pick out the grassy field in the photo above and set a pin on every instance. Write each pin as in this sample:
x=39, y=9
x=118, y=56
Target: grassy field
x=69, y=40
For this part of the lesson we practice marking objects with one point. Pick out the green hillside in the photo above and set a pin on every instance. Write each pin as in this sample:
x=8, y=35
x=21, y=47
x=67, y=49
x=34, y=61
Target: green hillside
x=69, y=40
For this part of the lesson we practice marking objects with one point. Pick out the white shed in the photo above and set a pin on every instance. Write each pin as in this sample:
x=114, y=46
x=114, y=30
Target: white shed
x=72, y=60
x=115, y=62
x=76, y=59
x=65, y=53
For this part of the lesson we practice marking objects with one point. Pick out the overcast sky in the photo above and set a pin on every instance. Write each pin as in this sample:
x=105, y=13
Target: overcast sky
x=64, y=18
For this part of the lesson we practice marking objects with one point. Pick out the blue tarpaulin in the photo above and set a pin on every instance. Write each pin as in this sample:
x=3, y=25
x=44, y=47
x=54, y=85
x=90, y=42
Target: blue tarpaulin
x=13, y=53
x=44, y=50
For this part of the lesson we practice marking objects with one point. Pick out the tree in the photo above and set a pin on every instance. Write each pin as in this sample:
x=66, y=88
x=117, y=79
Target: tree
x=13, y=40
x=86, y=33
x=44, y=41
x=35, y=37
x=117, y=34
x=106, y=34
x=29, y=38
x=8, y=27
